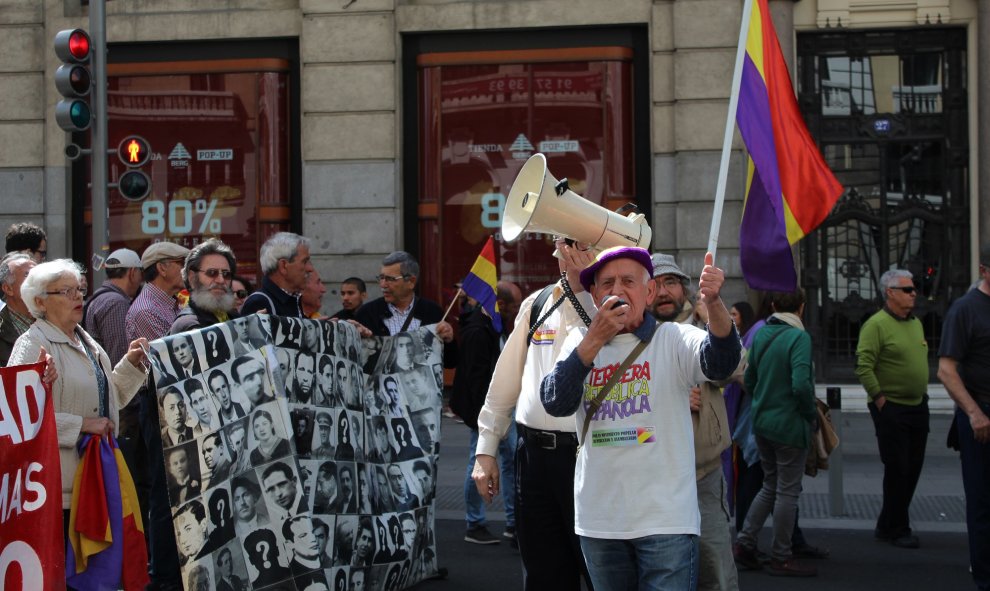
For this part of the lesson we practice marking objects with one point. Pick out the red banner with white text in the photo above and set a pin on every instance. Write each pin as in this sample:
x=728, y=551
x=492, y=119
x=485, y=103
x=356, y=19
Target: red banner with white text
x=32, y=549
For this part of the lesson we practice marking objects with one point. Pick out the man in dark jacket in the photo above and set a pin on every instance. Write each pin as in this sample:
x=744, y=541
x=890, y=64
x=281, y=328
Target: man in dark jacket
x=400, y=309
x=207, y=273
x=286, y=263
x=478, y=351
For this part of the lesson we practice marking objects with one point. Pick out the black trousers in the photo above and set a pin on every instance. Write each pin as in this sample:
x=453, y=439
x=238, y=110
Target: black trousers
x=164, y=558
x=902, y=435
x=551, y=552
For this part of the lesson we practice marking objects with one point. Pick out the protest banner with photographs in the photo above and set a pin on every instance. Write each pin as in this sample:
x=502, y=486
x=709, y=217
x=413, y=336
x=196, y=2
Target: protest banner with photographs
x=32, y=546
x=290, y=463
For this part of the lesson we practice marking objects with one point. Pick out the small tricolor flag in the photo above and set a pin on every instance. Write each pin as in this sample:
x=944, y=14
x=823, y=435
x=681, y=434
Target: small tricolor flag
x=106, y=548
x=790, y=189
x=481, y=281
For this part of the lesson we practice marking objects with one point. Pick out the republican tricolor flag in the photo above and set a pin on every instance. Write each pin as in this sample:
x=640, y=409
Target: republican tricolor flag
x=789, y=188
x=106, y=549
x=481, y=281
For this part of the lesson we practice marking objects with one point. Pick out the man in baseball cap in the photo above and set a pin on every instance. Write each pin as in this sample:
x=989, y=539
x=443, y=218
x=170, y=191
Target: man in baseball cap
x=106, y=309
x=639, y=431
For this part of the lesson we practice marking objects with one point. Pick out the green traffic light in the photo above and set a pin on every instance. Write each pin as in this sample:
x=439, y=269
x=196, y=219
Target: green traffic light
x=73, y=115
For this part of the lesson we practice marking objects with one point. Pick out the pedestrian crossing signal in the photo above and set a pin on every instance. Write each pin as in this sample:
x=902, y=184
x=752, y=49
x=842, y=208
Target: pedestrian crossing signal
x=134, y=151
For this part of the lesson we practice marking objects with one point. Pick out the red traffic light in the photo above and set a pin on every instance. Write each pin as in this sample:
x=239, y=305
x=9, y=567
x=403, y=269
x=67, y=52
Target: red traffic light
x=134, y=151
x=72, y=45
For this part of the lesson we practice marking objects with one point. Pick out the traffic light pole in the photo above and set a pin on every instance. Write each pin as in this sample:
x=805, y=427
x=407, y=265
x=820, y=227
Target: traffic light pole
x=98, y=188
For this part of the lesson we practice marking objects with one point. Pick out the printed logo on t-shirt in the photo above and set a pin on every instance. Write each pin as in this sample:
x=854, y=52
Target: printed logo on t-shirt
x=544, y=336
x=623, y=437
x=628, y=397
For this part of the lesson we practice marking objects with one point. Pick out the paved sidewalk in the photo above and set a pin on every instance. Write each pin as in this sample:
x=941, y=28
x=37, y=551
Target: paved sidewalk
x=858, y=561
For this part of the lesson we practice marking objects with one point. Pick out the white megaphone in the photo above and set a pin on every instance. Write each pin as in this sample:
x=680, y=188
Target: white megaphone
x=539, y=203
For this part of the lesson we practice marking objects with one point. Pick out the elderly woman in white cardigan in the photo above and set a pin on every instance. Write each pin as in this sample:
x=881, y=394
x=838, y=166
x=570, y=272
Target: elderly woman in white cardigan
x=88, y=391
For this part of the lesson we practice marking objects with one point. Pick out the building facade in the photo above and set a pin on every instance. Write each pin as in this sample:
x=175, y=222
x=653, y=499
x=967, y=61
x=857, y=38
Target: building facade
x=373, y=125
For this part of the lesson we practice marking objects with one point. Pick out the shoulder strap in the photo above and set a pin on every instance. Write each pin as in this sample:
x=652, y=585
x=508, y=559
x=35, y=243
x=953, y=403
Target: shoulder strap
x=409, y=317
x=613, y=380
x=96, y=294
x=271, y=310
x=769, y=342
x=534, y=313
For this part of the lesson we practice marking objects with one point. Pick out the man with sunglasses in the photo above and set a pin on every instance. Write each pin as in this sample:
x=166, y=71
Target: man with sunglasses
x=892, y=365
x=208, y=271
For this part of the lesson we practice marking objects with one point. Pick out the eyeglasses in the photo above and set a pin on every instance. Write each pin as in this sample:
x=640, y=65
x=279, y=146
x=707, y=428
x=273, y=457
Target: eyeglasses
x=908, y=290
x=69, y=292
x=241, y=293
x=42, y=253
x=669, y=283
x=212, y=273
x=391, y=278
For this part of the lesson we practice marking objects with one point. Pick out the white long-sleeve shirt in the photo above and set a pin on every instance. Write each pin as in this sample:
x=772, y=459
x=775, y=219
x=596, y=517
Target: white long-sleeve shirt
x=520, y=369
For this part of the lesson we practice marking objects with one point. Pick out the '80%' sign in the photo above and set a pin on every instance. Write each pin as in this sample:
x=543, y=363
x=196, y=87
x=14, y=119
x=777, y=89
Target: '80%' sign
x=178, y=217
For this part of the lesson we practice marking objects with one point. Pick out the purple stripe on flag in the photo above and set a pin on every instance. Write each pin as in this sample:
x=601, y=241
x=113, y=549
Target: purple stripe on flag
x=764, y=252
x=756, y=128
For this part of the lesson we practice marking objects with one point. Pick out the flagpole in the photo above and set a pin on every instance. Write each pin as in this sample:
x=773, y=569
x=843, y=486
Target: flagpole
x=459, y=292
x=730, y=126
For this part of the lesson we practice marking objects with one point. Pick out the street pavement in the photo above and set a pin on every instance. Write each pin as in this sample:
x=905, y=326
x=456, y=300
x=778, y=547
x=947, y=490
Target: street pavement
x=857, y=561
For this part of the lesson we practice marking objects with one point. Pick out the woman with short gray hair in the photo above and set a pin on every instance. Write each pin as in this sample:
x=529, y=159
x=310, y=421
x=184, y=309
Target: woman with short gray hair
x=88, y=391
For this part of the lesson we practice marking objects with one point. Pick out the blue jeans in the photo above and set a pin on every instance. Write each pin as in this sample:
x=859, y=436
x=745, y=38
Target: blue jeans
x=975, y=459
x=474, y=506
x=653, y=563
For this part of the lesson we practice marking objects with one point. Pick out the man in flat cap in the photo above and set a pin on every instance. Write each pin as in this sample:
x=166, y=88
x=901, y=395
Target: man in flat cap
x=150, y=316
x=626, y=377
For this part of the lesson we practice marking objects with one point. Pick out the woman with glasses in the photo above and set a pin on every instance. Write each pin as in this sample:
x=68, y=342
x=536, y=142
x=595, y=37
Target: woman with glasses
x=88, y=391
x=208, y=274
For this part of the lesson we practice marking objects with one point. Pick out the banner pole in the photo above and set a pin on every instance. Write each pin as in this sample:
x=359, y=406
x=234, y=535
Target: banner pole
x=730, y=126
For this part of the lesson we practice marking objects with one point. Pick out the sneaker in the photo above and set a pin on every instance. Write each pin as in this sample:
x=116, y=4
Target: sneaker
x=790, y=568
x=479, y=534
x=745, y=557
x=510, y=534
x=809, y=551
x=906, y=541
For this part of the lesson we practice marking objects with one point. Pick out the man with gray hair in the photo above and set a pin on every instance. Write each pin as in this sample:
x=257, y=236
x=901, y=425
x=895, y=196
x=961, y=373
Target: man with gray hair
x=400, y=309
x=15, y=318
x=286, y=263
x=892, y=365
x=207, y=274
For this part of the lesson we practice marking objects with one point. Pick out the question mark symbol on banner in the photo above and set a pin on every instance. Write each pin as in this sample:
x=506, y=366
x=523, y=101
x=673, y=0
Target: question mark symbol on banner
x=213, y=342
x=264, y=553
x=222, y=506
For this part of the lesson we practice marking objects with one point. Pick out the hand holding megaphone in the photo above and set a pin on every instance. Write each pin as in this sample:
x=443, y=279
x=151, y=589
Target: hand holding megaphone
x=608, y=322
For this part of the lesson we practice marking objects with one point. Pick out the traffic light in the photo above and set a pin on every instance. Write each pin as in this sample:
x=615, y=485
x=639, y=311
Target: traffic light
x=73, y=79
x=134, y=151
x=134, y=185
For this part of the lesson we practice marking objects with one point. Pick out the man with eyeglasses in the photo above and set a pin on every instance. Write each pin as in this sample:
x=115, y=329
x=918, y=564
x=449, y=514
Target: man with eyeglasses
x=400, y=309
x=15, y=318
x=29, y=239
x=207, y=274
x=964, y=368
x=150, y=316
x=286, y=263
x=892, y=365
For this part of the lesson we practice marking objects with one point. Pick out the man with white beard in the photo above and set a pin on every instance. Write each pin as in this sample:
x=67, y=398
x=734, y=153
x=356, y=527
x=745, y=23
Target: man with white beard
x=207, y=273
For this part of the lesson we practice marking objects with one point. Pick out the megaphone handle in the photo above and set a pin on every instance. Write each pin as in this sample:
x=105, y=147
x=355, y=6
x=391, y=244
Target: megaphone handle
x=561, y=187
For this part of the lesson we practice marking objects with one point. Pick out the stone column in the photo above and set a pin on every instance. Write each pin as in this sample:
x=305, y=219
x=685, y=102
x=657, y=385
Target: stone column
x=782, y=12
x=982, y=201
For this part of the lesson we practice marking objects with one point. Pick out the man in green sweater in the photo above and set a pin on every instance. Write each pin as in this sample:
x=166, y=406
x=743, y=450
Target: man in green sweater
x=892, y=365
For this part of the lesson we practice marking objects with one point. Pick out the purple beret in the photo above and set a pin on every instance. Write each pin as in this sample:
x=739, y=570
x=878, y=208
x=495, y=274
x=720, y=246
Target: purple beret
x=640, y=255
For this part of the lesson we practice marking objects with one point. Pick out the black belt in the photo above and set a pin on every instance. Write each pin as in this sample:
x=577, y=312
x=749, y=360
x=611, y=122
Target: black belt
x=548, y=439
